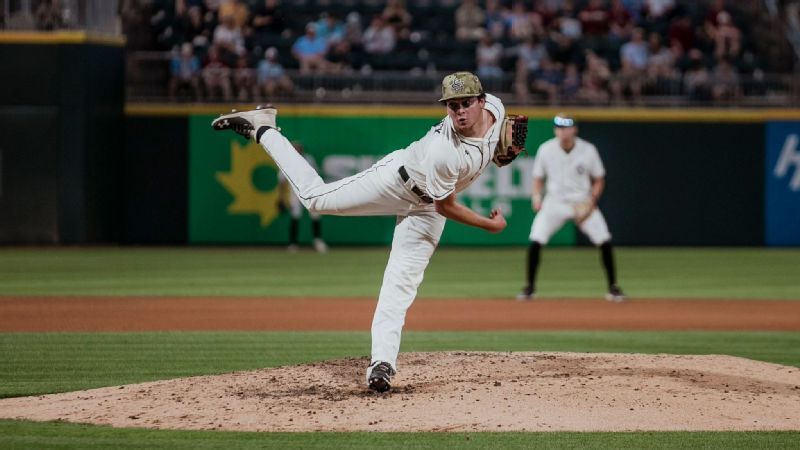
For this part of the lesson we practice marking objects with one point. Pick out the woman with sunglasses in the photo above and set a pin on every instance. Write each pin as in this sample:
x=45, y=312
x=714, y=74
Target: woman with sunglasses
x=418, y=184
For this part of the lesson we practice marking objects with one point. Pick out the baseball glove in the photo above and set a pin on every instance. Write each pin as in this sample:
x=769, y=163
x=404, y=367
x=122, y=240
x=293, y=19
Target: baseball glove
x=513, y=133
x=582, y=211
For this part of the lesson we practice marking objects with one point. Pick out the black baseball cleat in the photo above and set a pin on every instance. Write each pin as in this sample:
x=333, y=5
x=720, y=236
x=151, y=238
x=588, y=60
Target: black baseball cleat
x=615, y=294
x=379, y=376
x=526, y=294
x=247, y=123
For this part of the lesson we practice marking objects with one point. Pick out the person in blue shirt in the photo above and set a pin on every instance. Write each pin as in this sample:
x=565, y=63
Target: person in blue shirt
x=309, y=50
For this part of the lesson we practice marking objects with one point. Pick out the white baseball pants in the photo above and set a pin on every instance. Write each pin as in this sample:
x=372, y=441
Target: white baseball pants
x=555, y=212
x=377, y=191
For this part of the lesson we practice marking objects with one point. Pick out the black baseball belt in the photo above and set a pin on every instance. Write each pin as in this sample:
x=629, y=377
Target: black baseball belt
x=414, y=188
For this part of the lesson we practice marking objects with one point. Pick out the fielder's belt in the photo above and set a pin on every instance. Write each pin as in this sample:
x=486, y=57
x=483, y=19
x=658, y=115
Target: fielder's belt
x=414, y=188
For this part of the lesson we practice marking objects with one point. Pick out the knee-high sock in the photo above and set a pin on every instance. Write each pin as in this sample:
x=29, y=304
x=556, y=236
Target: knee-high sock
x=294, y=230
x=607, y=256
x=533, y=263
x=316, y=228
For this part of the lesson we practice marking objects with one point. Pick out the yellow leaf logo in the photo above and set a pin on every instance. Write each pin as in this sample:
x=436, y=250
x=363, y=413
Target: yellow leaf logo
x=248, y=199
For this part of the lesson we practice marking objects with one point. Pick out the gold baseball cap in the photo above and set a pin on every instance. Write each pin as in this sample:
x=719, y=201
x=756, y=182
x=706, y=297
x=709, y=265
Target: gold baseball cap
x=460, y=85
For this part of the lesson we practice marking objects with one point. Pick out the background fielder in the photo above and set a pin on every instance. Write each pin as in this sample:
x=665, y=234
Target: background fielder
x=289, y=201
x=575, y=181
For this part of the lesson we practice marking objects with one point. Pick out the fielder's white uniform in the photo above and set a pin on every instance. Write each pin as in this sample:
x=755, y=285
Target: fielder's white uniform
x=440, y=163
x=569, y=181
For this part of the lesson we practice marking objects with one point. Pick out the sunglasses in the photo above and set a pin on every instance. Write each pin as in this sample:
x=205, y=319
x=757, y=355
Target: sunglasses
x=455, y=106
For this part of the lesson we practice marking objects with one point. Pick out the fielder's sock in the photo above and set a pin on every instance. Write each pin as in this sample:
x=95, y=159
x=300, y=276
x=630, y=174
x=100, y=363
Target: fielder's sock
x=316, y=228
x=533, y=263
x=260, y=132
x=607, y=255
x=294, y=230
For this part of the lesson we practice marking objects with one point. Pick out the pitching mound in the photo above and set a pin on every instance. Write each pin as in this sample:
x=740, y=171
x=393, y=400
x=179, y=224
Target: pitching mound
x=454, y=392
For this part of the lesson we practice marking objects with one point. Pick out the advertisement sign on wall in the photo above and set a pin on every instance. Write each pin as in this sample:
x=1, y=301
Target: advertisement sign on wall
x=782, y=207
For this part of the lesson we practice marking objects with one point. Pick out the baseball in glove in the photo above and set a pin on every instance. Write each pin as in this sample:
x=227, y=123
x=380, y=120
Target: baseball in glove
x=582, y=211
x=513, y=133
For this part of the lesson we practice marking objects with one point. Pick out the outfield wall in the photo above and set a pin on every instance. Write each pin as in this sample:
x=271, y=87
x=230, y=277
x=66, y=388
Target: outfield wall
x=709, y=177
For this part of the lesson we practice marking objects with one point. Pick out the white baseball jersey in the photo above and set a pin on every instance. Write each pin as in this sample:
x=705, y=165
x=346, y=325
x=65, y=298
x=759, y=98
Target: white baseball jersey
x=569, y=181
x=569, y=174
x=443, y=162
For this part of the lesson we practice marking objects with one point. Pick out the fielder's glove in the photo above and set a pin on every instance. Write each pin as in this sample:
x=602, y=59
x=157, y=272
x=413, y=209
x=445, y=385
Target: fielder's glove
x=582, y=211
x=513, y=133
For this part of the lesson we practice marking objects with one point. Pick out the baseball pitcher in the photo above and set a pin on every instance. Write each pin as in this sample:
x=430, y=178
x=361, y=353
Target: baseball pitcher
x=575, y=180
x=418, y=184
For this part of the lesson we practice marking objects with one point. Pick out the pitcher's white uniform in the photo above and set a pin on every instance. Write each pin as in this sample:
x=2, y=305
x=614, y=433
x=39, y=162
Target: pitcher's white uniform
x=295, y=207
x=569, y=181
x=439, y=164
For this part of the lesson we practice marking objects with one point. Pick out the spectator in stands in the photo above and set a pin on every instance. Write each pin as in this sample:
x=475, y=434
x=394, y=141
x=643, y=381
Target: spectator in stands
x=529, y=60
x=661, y=71
x=269, y=20
x=216, y=75
x=571, y=83
x=330, y=28
x=488, y=54
x=727, y=37
x=48, y=15
x=353, y=33
x=548, y=80
x=310, y=50
x=379, y=38
x=568, y=23
x=236, y=9
x=340, y=57
x=185, y=72
x=272, y=77
x=657, y=14
x=595, y=19
x=696, y=78
x=244, y=79
x=518, y=21
x=228, y=38
x=633, y=56
x=495, y=20
x=725, y=81
x=193, y=28
x=398, y=18
x=681, y=30
x=470, y=19
x=620, y=22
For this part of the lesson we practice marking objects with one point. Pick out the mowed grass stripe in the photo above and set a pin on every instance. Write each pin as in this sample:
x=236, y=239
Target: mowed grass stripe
x=15, y=434
x=60, y=362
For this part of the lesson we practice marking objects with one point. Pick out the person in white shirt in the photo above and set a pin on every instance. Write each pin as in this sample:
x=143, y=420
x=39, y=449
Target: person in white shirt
x=418, y=184
x=575, y=179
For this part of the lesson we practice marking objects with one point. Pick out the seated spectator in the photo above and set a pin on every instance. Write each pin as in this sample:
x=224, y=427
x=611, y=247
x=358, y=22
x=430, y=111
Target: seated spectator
x=518, y=21
x=727, y=37
x=228, y=38
x=272, y=77
x=191, y=27
x=595, y=20
x=661, y=72
x=620, y=22
x=469, y=20
x=568, y=24
x=236, y=9
x=657, y=14
x=244, y=79
x=488, y=54
x=571, y=83
x=309, y=50
x=379, y=38
x=216, y=75
x=339, y=56
x=548, y=80
x=725, y=81
x=48, y=15
x=495, y=20
x=268, y=19
x=696, y=79
x=353, y=33
x=398, y=18
x=529, y=59
x=681, y=30
x=633, y=56
x=330, y=28
x=185, y=72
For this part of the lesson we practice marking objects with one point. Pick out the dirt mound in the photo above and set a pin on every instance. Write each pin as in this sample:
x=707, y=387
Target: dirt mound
x=458, y=391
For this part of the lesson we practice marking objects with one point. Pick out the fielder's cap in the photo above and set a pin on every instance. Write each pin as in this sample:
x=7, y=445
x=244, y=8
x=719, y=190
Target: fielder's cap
x=460, y=85
x=562, y=120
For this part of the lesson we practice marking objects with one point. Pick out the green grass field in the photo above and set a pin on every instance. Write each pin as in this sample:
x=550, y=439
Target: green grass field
x=35, y=363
